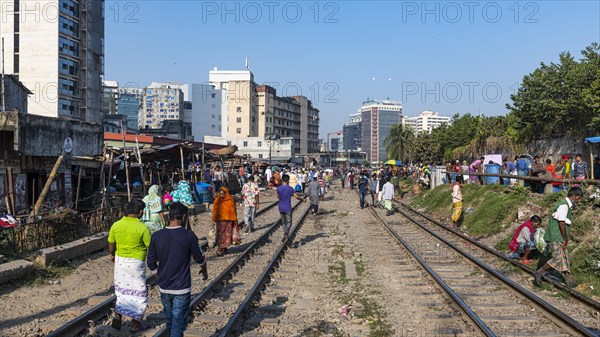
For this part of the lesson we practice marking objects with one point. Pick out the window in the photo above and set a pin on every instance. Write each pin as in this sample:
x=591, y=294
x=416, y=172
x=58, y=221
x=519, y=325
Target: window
x=68, y=47
x=238, y=120
x=68, y=27
x=260, y=156
x=67, y=67
x=238, y=130
x=213, y=126
x=239, y=109
x=228, y=143
x=259, y=144
x=245, y=144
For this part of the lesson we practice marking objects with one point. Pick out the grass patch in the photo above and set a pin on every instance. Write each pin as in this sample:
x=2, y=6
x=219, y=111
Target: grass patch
x=486, y=209
x=338, y=273
x=585, y=267
x=360, y=267
x=502, y=245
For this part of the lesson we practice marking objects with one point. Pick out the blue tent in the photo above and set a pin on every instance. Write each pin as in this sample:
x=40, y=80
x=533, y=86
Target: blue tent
x=595, y=139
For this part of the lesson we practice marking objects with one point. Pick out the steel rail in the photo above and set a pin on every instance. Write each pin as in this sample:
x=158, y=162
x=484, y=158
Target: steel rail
x=81, y=322
x=455, y=297
x=587, y=300
x=555, y=313
x=207, y=292
x=233, y=321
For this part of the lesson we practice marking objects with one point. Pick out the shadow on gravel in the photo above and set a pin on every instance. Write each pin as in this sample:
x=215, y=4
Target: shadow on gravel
x=319, y=328
x=49, y=312
x=308, y=239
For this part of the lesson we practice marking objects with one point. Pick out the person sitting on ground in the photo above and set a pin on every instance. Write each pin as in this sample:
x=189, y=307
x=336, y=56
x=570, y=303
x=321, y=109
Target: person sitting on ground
x=522, y=242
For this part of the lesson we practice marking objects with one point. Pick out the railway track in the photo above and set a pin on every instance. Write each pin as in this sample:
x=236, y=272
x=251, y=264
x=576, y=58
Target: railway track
x=100, y=309
x=496, y=305
x=220, y=307
x=490, y=254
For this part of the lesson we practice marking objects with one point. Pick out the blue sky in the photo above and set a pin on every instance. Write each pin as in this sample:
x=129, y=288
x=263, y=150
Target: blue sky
x=450, y=57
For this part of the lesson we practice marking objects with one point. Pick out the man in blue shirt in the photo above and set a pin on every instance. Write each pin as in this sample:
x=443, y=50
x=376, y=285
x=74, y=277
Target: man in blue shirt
x=285, y=193
x=171, y=249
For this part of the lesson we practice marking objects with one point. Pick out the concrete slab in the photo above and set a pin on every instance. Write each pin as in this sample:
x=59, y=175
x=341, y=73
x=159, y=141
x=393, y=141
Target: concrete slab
x=351, y=273
x=72, y=249
x=15, y=270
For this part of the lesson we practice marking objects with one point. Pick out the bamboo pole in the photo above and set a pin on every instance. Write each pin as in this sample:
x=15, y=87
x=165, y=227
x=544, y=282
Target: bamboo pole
x=104, y=196
x=125, y=158
x=139, y=156
x=102, y=180
x=11, y=191
x=81, y=171
x=591, y=162
x=33, y=189
x=46, y=188
x=182, y=164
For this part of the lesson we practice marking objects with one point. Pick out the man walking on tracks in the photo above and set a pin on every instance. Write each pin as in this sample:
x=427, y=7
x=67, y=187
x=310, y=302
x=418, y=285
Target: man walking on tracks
x=251, y=203
x=388, y=195
x=557, y=238
x=128, y=242
x=170, y=251
x=285, y=193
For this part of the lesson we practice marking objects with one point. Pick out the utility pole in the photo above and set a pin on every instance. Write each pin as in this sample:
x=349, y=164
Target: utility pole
x=2, y=96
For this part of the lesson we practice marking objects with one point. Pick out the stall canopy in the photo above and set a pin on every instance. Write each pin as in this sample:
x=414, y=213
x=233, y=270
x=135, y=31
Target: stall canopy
x=595, y=139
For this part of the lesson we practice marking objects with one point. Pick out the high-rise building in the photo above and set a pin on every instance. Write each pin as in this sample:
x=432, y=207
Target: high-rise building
x=239, y=116
x=377, y=119
x=352, y=132
x=110, y=96
x=335, y=141
x=129, y=105
x=309, y=125
x=425, y=121
x=161, y=102
x=56, y=48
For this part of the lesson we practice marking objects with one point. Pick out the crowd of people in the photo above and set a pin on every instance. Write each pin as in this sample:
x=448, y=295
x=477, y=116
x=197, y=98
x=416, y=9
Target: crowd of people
x=567, y=167
x=146, y=237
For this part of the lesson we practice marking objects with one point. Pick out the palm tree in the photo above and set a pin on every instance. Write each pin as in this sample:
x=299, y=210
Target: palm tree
x=398, y=142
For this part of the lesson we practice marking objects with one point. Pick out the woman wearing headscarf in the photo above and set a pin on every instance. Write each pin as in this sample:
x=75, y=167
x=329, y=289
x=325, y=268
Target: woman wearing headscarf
x=183, y=194
x=153, y=212
x=224, y=217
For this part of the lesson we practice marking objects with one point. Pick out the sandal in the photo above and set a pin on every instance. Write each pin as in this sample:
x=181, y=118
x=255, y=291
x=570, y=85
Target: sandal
x=116, y=323
x=142, y=327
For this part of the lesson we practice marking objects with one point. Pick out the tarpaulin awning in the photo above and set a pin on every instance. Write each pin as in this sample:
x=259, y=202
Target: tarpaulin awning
x=595, y=139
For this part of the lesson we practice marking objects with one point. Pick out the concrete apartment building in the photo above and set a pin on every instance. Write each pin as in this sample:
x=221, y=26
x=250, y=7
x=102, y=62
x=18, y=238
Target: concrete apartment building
x=377, y=119
x=239, y=117
x=425, y=121
x=288, y=117
x=160, y=102
x=56, y=48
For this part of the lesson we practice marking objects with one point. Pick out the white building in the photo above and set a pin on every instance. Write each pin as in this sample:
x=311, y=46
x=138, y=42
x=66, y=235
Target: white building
x=239, y=117
x=425, y=121
x=206, y=111
x=335, y=141
x=258, y=148
x=56, y=48
x=161, y=102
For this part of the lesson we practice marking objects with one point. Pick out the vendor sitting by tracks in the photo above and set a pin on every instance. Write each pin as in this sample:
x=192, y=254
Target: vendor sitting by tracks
x=522, y=242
